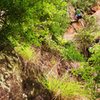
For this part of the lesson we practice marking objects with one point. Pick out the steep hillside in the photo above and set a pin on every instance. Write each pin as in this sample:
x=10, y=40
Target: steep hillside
x=47, y=53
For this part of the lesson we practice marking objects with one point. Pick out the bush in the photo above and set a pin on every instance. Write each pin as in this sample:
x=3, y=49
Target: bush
x=65, y=88
x=83, y=41
x=31, y=21
x=94, y=60
x=83, y=4
x=70, y=52
x=24, y=51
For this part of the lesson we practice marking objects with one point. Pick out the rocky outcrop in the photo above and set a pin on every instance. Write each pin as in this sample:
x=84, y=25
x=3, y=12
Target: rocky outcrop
x=10, y=80
x=97, y=16
x=20, y=79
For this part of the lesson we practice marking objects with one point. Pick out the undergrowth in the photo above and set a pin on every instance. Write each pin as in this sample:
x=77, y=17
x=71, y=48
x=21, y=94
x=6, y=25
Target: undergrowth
x=66, y=88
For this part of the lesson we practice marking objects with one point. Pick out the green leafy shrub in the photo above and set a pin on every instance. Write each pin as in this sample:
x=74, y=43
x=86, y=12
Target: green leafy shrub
x=31, y=21
x=83, y=41
x=87, y=75
x=66, y=49
x=94, y=60
x=65, y=88
x=83, y=4
x=24, y=51
x=70, y=52
x=95, y=57
x=89, y=72
x=85, y=72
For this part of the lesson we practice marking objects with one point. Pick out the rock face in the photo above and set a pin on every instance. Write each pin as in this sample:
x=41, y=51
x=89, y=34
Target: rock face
x=69, y=34
x=10, y=83
x=73, y=29
x=95, y=8
x=19, y=81
x=97, y=16
x=74, y=26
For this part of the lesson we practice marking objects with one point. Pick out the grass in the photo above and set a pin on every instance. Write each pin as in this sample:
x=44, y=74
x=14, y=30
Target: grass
x=25, y=51
x=66, y=88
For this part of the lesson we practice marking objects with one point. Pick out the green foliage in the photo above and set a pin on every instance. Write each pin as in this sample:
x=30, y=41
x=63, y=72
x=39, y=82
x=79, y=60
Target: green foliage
x=32, y=20
x=94, y=60
x=85, y=72
x=27, y=22
x=90, y=24
x=83, y=4
x=95, y=57
x=65, y=88
x=85, y=36
x=66, y=49
x=87, y=75
x=84, y=40
x=71, y=53
x=89, y=72
x=24, y=51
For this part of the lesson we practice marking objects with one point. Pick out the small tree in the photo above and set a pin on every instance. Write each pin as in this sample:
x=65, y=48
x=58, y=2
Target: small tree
x=84, y=40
